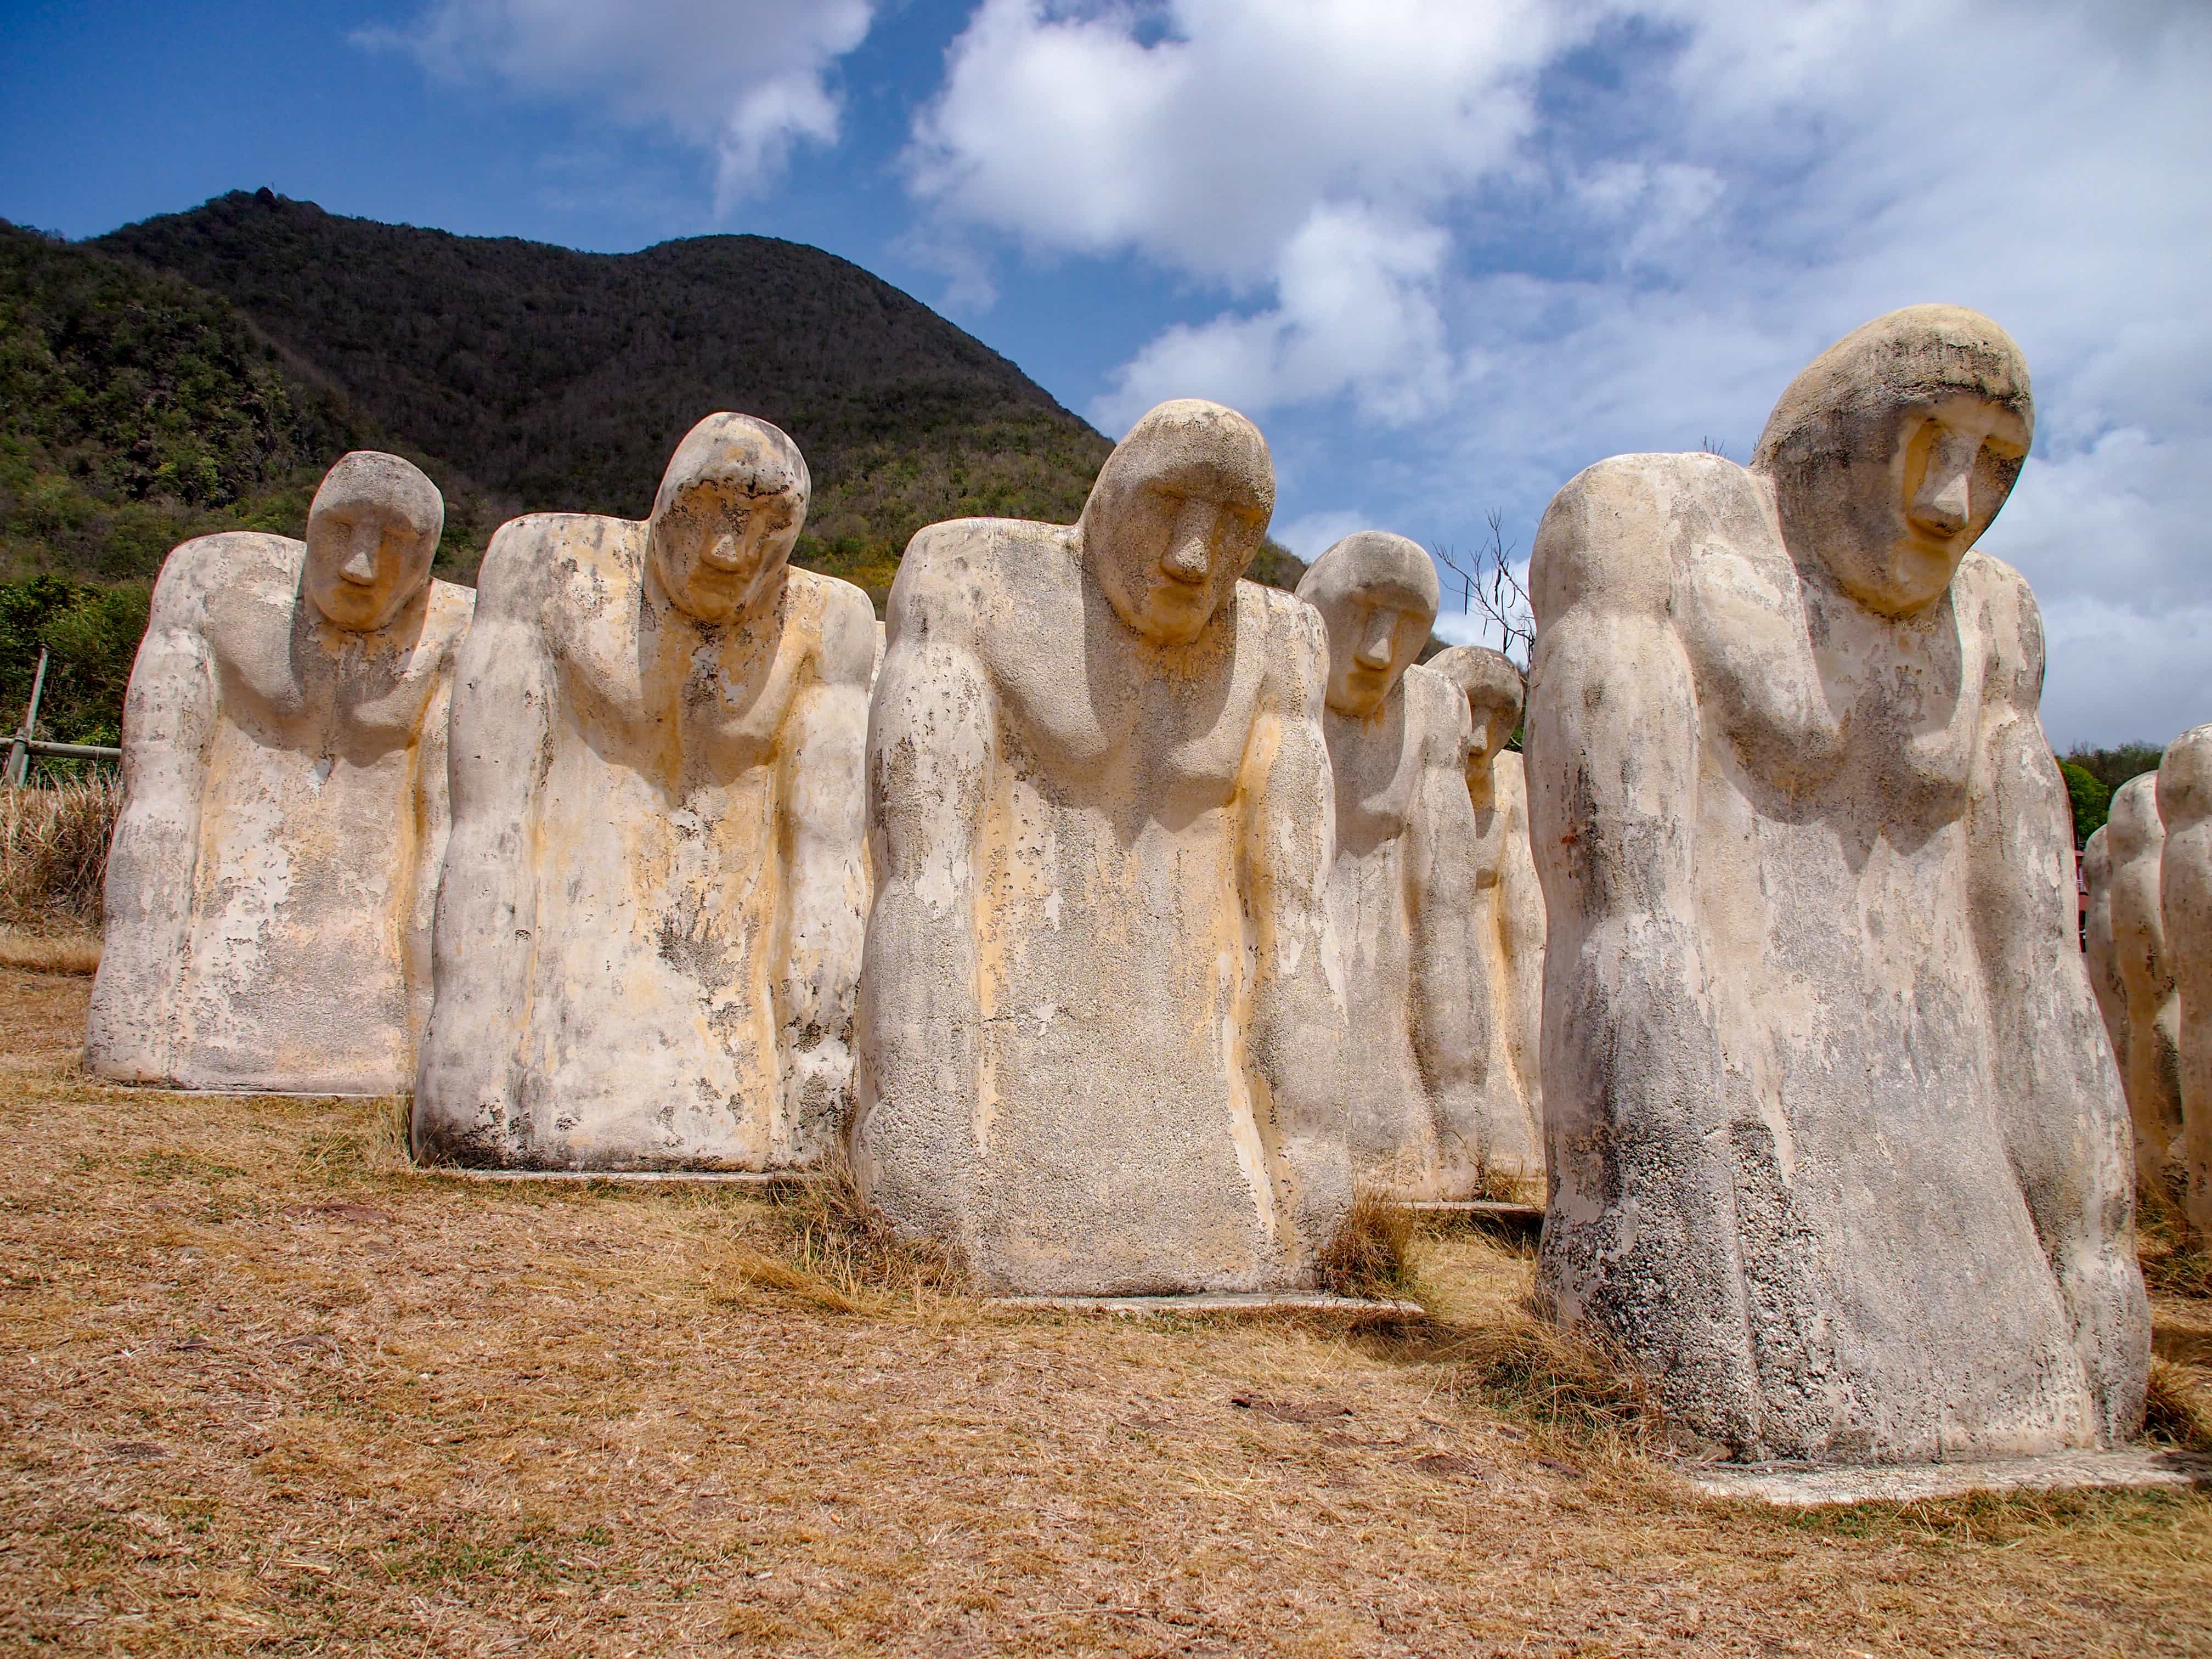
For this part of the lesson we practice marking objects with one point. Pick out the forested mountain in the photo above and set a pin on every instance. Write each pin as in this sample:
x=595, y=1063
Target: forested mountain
x=562, y=380
x=199, y=371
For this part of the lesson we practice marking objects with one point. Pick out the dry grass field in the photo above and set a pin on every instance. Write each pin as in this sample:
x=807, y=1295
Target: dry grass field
x=262, y=1390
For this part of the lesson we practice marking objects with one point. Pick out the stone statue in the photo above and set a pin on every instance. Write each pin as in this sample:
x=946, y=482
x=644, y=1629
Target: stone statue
x=2150, y=1063
x=269, y=886
x=1509, y=908
x=2184, y=804
x=1099, y=1014
x=1401, y=894
x=651, y=920
x=2099, y=950
x=1837, y=1150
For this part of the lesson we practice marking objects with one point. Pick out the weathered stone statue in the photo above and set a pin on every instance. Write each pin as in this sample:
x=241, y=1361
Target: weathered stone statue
x=2184, y=804
x=1838, y=1150
x=1402, y=894
x=269, y=888
x=651, y=920
x=1098, y=1029
x=1509, y=909
x=2150, y=1063
x=2100, y=953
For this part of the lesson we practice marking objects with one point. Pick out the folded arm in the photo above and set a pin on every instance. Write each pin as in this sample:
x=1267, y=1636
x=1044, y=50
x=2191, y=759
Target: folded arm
x=825, y=873
x=499, y=738
x=933, y=740
x=2066, y=1123
x=168, y=717
x=1641, y=1241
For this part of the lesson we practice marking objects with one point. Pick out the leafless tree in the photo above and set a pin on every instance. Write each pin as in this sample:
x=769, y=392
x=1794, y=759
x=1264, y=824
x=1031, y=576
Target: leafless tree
x=1489, y=587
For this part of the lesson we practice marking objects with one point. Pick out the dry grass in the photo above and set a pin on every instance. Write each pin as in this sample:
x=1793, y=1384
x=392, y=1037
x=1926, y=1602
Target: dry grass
x=263, y=1390
x=1371, y=1253
x=53, y=853
x=59, y=950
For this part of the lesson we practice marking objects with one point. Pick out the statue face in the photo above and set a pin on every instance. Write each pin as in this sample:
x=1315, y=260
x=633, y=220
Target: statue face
x=1916, y=485
x=1374, y=631
x=372, y=534
x=1169, y=546
x=1494, y=721
x=720, y=542
x=1377, y=593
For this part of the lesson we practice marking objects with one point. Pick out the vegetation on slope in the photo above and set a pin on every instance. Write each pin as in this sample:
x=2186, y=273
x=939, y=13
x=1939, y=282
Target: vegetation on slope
x=562, y=380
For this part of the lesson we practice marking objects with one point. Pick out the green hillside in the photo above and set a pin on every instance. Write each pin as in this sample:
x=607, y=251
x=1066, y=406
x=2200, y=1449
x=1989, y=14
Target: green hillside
x=199, y=371
x=562, y=380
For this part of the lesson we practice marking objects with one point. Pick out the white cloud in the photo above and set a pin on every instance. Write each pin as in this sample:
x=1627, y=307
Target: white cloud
x=1298, y=147
x=1461, y=250
x=745, y=79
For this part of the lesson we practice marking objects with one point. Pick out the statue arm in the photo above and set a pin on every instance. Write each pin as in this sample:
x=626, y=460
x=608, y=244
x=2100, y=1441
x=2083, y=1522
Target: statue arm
x=2066, y=1119
x=168, y=717
x=1451, y=1015
x=1296, y=1038
x=933, y=742
x=433, y=824
x=1641, y=1239
x=1521, y=931
x=2185, y=803
x=500, y=736
x=825, y=872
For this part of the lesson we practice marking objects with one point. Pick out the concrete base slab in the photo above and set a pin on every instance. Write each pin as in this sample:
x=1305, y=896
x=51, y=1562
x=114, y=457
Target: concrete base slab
x=1347, y=1311
x=754, y=1178
x=1799, y=1486
x=1492, y=1209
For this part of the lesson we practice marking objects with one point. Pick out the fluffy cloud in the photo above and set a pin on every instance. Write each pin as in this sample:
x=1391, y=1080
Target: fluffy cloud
x=746, y=78
x=1454, y=252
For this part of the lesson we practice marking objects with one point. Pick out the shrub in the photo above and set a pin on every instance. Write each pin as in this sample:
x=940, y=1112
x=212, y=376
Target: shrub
x=53, y=853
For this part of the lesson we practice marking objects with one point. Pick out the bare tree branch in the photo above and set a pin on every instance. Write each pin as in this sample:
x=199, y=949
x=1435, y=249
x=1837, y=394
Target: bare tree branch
x=1488, y=586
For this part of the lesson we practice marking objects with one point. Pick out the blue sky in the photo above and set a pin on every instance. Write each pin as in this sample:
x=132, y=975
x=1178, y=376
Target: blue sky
x=1446, y=252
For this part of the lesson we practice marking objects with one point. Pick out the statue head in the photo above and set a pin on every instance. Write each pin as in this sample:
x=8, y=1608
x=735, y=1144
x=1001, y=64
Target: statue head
x=1377, y=593
x=1178, y=512
x=1494, y=691
x=1892, y=453
x=727, y=514
x=373, y=532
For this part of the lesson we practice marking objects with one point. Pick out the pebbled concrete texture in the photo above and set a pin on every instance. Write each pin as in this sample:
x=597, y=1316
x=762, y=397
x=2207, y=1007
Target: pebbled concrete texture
x=1840, y=1155
x=275, y=862
x=1904, y=1483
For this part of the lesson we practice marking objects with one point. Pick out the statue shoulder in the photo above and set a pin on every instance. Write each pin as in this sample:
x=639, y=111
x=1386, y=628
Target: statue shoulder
x=1294, y=642
x=966, y=580
x=2000, y=607
x=451, y=607
x=845, y=646
x=229, y=558
x=530, y=558
x=2184, y=781
x=1614, y=535
x=1437, y=708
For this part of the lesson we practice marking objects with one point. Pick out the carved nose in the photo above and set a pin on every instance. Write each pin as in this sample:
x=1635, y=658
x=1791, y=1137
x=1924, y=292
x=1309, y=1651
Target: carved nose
x=1379, y=636
x=1945, y=498
x=1188, y=560
x=360, y=567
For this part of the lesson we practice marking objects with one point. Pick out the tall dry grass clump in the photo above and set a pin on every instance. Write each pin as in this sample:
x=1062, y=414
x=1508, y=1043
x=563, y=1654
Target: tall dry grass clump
x=837, y=1251
x=53, y=853
x=1371, y=1252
